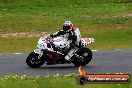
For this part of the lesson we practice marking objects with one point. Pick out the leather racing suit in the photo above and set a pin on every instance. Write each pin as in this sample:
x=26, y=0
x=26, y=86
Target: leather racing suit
x=74, y=36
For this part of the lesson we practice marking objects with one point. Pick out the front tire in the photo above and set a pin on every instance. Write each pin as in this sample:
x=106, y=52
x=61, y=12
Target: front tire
x=86, y=55
x=34, y=61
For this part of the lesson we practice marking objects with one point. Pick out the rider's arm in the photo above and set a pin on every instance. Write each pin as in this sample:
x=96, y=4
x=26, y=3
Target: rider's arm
x=72, y=36
x=61, y=32
x=75, y=37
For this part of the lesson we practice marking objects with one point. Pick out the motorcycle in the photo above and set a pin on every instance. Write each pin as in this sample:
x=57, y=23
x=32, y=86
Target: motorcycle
x=53, y=51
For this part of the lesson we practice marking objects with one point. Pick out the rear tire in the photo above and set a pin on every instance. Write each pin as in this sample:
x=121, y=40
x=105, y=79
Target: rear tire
x=33, y=61
x=86, y=53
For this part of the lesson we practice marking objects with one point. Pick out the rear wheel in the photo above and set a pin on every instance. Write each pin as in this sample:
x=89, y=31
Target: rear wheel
x=34, y=60
x=85, y=56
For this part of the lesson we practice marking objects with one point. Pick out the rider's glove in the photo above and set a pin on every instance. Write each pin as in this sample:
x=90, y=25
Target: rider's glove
x=51, y=35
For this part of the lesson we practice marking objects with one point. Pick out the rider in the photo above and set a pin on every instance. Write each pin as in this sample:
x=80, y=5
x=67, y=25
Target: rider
x=72, y=34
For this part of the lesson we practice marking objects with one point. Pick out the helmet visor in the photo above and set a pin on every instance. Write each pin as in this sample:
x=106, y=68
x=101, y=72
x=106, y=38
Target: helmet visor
x=65, y=28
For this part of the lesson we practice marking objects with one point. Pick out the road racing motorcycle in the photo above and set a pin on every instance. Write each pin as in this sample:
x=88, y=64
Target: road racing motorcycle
x=53, y=51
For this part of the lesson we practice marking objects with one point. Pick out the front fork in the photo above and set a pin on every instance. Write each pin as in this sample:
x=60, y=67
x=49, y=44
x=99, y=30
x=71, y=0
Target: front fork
x=39, y=52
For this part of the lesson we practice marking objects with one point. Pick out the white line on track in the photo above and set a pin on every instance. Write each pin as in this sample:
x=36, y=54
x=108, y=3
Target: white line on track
x=95, y=50
x=118, y=49
x=17, y=53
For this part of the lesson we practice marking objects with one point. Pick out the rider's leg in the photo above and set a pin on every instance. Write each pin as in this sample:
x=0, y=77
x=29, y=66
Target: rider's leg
x=70, y=53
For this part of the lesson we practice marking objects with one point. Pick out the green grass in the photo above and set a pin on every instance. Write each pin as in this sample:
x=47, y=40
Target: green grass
x=109, y=22
x=104, y=39
x=51, y=82
x=17, y=45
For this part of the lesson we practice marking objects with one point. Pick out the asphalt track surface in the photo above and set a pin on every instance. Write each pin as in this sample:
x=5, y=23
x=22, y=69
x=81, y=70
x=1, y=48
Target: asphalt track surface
x=107, y=61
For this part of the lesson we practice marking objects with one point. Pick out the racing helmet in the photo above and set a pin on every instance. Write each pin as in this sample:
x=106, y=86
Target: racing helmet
x=67, y=26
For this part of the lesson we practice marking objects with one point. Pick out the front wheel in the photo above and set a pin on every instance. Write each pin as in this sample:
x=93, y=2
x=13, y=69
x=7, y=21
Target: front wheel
x=85, y=56
x=34, y=61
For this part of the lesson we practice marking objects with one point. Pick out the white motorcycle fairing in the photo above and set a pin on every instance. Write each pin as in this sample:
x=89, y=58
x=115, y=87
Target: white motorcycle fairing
x=86, y=41
x=59, y=42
